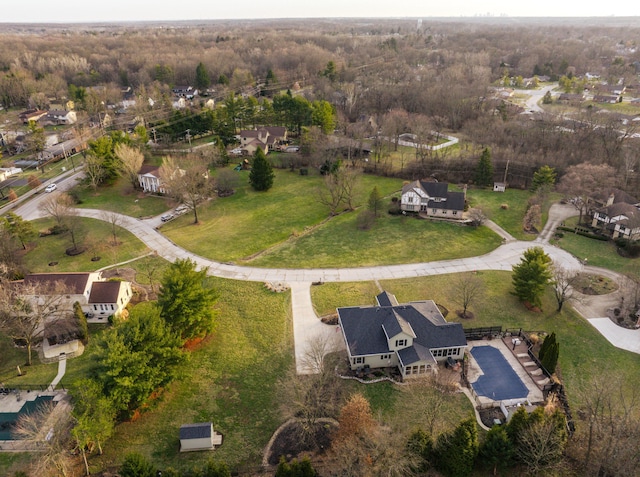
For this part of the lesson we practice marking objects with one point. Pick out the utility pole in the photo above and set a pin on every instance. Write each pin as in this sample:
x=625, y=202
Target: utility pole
x=506, y=169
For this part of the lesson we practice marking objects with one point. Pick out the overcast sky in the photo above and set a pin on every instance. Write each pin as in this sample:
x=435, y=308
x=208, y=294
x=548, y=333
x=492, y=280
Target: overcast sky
x=39, y=11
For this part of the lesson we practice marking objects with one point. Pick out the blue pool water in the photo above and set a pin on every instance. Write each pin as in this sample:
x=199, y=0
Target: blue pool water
x=499, y=381
x=8, y=419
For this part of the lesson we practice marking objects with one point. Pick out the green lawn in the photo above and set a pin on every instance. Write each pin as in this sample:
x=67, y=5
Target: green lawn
x=120, y=197
x=12, y=462
x=45, y=250
x=583, y=349
x=393, y=239
x=236, y=228
x=287, y=227
x=510, y=218
x=36, y=374
x=230, y=380
x=598, y=253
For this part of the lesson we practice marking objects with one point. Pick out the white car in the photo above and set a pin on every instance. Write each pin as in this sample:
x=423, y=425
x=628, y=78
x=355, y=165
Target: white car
x=51, y=188
x=167, y=217
x=182, y=209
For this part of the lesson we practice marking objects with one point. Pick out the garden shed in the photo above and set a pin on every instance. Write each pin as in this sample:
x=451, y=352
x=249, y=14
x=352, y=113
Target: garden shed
x=198, y=436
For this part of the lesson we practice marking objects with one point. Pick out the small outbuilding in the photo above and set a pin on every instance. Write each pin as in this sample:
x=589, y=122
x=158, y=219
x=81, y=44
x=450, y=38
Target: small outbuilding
x=198, y=436
x=499, y=187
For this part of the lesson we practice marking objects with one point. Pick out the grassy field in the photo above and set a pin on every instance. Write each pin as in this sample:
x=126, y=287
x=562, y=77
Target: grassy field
x=582, y=349
x=36, y=374
x=52, y=248
x=238, y=227
x=11, y=462
x=120, y=197
x=287, y=227
x=230, y=380
x=598, y=253
x=510, y=218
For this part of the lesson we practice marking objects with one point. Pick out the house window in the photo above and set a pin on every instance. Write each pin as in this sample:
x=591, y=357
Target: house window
x=434, y=211
x=358, y=360
x=409, y=200
x=400, y=343
x=422, y=369
x=95, y=307
x=455, y=212
x=385, y=356
x=112, y=307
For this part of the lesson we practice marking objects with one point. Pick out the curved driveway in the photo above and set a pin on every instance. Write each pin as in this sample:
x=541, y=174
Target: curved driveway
x=308, y=330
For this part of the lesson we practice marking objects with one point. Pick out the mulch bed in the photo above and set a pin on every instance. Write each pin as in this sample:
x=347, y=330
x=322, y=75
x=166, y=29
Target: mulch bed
x=488, y=415
x=289, y=444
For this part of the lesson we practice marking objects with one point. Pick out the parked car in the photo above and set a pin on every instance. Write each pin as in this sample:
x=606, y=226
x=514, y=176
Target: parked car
x=51, y=188
x=181, y=209
x=167, y=217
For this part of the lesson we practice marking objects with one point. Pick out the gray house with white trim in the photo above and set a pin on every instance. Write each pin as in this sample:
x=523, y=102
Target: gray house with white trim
x=414, y=336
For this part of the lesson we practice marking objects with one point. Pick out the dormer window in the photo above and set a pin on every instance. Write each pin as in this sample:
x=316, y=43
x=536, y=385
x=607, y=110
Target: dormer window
x=401, y=343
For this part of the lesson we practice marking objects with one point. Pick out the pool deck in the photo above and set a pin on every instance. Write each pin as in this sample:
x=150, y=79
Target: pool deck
x=474, y=371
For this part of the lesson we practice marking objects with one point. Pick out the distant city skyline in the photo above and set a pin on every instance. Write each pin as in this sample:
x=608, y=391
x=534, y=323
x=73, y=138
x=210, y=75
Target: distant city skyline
x=81, y=11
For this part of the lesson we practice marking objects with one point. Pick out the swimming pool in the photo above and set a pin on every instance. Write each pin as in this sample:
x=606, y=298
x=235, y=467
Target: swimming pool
x=499, y=381
x=8, y=419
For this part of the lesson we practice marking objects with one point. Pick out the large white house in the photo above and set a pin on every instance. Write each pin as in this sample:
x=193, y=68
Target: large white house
x=432, y=199
x=266, y=138
x=413, y=337
x=96, y=296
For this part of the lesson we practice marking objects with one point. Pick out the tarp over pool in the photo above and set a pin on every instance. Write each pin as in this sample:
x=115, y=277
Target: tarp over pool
x=500, y=381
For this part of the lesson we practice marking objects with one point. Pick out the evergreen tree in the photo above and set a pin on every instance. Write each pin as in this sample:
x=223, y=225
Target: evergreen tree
x=261, y=175
x=543, y=177
x=550, y=360
x=546, y=344
x=186, y=301
x=202, y=77
x=421, y=444
x=215, y=469
x=136, y=465
x=456, y=452
x=484, y=170
x=532, y=275
x=18, y=228
x=81, y=321
x=497, y=450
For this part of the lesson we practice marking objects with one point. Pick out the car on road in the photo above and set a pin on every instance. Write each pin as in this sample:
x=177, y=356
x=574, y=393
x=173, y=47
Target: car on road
x=51, y=188
x=167, y=217
x=182, y=209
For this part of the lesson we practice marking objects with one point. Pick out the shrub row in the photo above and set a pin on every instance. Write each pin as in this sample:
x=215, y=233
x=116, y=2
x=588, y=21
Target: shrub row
x=584, y=233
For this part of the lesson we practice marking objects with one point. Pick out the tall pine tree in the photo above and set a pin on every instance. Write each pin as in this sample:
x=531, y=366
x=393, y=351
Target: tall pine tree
x=532, y=275
x=261, y=175
x=484, y=170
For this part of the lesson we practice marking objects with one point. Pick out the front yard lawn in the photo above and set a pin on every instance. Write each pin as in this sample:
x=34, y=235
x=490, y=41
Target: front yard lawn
x=237, y=228
x=510, y=218
x=597, y=253
x=51, y=248
x=120, y=197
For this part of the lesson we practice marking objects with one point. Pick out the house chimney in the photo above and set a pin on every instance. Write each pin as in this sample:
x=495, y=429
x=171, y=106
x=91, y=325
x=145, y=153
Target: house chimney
x=611, y=199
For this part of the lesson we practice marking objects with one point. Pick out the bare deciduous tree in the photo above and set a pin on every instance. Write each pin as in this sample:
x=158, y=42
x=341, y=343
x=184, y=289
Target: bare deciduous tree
x=115, y=220
x=188, y=182
x=94, y=170
x=467, y=289
x=130, y=162
x=563, y=282
x=28, y=307
x=50, y=426
x=580, y=181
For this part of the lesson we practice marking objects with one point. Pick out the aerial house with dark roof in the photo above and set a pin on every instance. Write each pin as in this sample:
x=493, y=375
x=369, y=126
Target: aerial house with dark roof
x=432, y=199
x=414, y=336
x=199, y=436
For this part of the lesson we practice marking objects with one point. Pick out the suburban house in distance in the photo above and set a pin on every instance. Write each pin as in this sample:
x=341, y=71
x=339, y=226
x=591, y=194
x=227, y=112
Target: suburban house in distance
x=95, y=295
x=60, y=116
x=413, y=337
x=266, y=138
x=620, y=214
x=149, y=179
x=432, y=199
